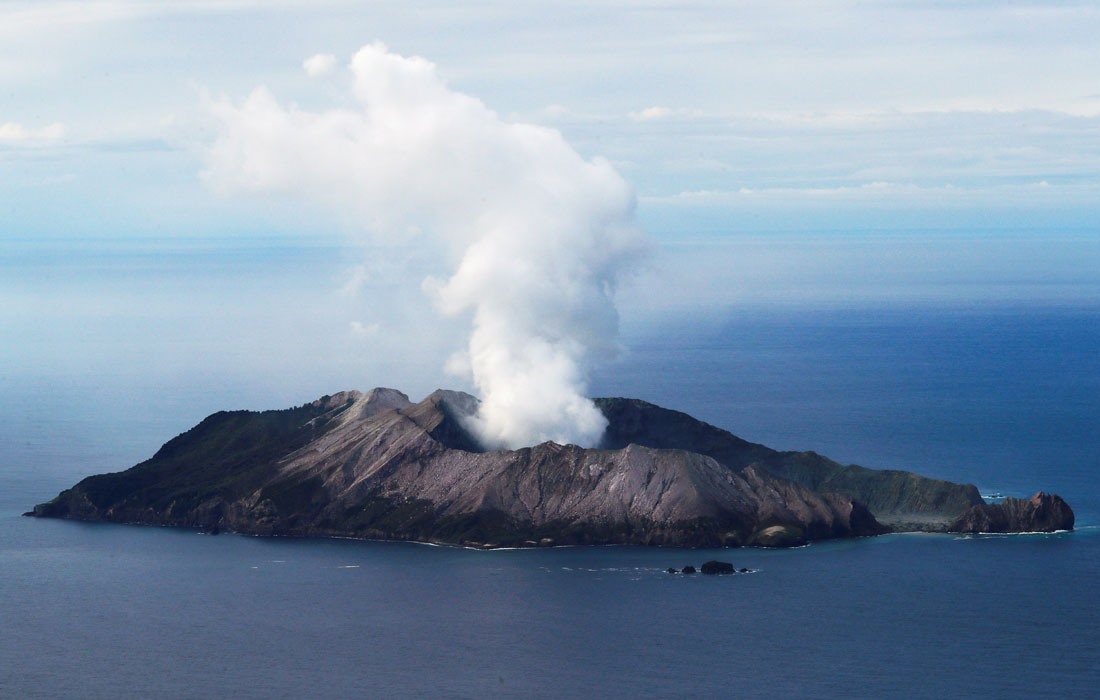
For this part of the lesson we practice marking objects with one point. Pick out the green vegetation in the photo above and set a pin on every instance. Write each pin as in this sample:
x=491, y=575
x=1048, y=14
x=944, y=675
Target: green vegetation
x=889, y=494
x=892, y=496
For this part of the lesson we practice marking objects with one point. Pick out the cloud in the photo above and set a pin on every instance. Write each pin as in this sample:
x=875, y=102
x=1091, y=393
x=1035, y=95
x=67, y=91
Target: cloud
x=537, y=237
x=363, y=331
x=15, y=134
x=319, y=65
x=355, y=280
x=651, y=114
x=877, y=189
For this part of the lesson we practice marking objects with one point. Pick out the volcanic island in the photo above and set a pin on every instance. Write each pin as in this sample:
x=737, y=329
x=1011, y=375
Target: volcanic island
x=375, y=465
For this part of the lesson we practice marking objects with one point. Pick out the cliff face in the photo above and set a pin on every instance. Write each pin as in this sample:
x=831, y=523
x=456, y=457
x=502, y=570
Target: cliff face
x=1042, y=512
x=376, y=465
x=901, y=499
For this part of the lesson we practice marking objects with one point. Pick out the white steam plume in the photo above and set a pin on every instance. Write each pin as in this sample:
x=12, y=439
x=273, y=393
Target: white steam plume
x=539, y=235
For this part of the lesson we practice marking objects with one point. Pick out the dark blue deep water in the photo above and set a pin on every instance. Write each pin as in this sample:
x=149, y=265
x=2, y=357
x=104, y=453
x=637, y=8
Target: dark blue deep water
x=1006, y=398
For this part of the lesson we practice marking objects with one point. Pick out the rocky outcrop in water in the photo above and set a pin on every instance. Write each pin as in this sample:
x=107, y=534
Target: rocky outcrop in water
x=376, y=465
x=1043, y=512
x=716, y=567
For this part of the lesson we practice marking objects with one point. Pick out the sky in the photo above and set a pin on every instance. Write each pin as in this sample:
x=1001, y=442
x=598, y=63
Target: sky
x=782, y=153
x=725, y=117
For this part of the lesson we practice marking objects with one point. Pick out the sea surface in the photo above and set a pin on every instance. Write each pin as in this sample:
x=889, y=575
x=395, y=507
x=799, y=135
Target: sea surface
x=1005, y=396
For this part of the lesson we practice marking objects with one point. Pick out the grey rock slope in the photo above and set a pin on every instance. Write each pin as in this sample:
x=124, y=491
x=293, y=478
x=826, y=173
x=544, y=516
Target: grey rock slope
x=1043, y=512
x=376, y=465
x=900, y=499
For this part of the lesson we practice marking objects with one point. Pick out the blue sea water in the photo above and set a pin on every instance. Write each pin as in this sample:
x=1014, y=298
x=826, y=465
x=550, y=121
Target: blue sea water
x=1004, y=396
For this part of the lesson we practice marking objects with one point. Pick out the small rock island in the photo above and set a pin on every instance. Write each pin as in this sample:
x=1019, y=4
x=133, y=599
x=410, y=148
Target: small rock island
x=376, y=465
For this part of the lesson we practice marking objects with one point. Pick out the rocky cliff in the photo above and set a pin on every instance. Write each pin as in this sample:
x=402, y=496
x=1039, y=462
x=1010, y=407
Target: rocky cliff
x=376, y=465
x=900, y=499
x=1043, y=512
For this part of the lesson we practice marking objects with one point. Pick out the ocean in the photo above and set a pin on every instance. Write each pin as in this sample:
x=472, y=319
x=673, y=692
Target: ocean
x=1005, y=395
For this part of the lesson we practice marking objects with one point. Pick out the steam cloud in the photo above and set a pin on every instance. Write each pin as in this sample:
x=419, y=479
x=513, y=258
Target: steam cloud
x=539, y=235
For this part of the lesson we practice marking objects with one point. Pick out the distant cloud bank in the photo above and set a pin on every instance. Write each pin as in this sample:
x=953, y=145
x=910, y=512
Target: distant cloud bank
x=15, y=134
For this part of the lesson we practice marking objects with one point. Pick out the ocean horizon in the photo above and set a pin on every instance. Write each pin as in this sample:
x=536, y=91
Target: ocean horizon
x=866, y=230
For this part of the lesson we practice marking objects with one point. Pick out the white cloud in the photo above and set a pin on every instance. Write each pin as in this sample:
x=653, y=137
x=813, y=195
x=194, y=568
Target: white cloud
x=829, y=96
x=15, y=134
x=788, y=193
x=549, y=113
x=319, y=65
x=879, y=194
x=651, y=114
x=364, y=331
x=355, y=280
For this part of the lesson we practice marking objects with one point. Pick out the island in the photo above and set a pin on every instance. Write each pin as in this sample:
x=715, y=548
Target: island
x=375, y=465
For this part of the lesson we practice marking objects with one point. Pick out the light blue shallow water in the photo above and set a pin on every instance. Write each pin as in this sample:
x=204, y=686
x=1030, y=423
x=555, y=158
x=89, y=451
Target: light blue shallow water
x=1005, y=398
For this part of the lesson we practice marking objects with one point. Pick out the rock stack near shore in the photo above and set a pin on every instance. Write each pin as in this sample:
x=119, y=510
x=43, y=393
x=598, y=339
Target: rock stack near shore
x=1043, y=512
